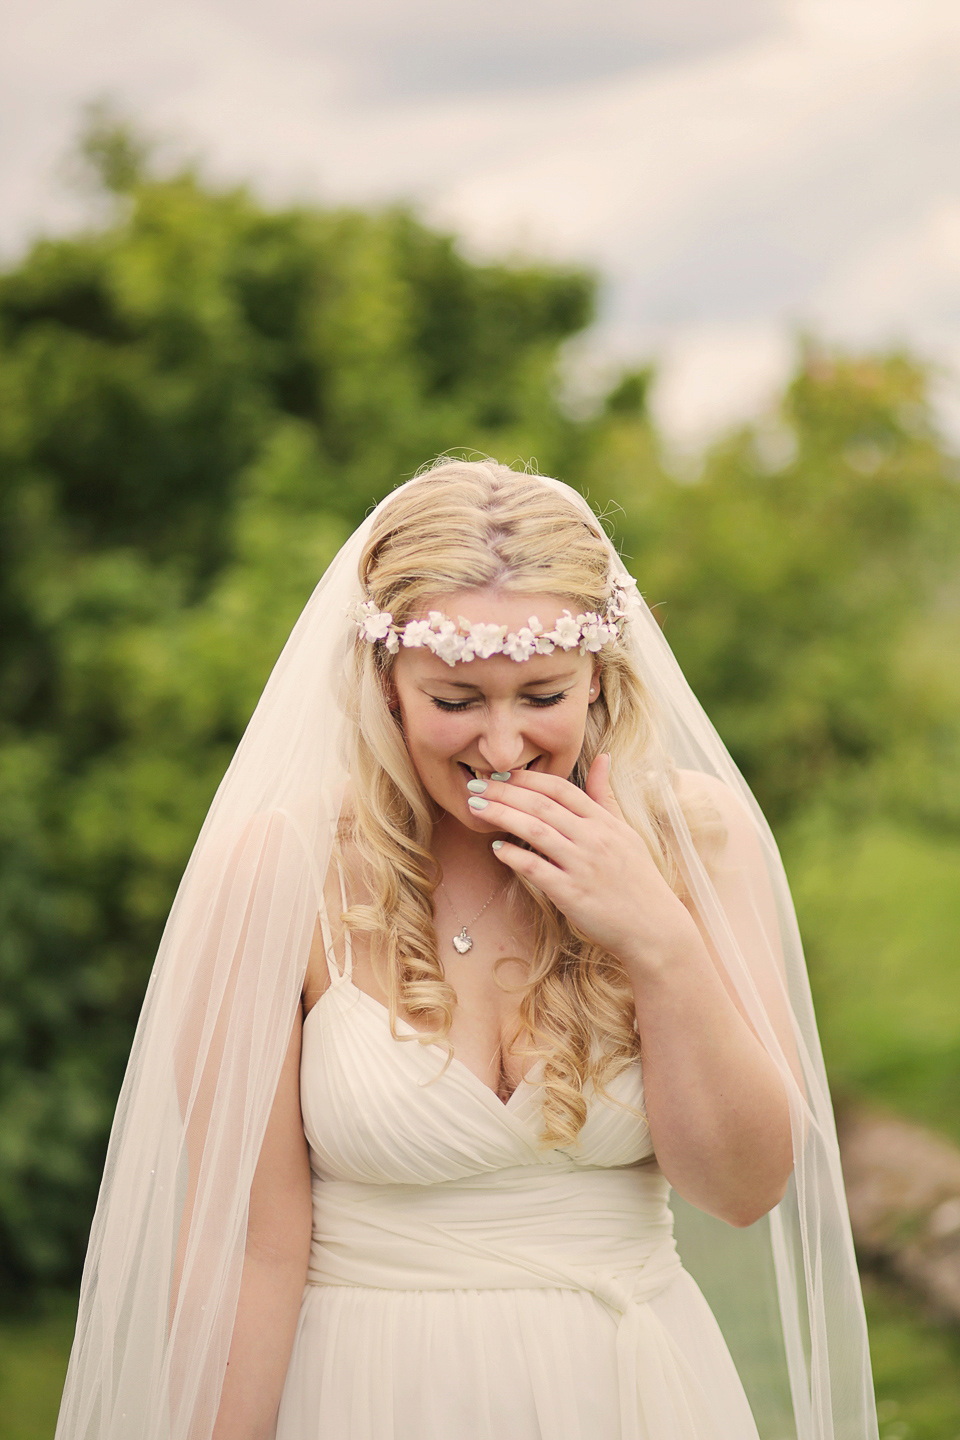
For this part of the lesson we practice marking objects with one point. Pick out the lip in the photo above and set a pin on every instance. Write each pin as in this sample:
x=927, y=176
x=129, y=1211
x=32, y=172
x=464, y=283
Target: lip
x=485, y=774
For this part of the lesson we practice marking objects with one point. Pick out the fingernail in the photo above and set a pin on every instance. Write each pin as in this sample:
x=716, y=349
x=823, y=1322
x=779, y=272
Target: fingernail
x=477, y=802
x=476, y=787
x=498, y=844
x=500, y=775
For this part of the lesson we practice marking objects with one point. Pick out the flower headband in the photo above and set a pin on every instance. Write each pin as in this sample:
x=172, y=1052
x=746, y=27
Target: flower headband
x=468, y=640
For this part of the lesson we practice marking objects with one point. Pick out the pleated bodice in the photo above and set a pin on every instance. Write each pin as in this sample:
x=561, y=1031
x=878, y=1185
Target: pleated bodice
x=377, y=1110
x=465, y=1279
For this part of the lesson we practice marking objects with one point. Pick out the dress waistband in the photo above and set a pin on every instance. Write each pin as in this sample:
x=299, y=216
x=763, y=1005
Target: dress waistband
x=605, y=1231
x=521, y=1227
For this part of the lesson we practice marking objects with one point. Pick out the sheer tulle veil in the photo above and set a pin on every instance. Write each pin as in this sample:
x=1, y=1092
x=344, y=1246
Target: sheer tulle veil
x=163, y=1269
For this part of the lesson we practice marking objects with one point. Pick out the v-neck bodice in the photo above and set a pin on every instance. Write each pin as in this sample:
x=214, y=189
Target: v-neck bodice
x=464, y=1279
x=384, y=1111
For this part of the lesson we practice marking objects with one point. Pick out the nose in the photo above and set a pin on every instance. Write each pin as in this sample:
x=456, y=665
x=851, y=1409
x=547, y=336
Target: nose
x=501, y=743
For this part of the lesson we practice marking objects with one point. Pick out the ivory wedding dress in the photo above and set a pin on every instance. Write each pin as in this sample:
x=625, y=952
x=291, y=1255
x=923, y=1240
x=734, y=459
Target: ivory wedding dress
x=466, y=1284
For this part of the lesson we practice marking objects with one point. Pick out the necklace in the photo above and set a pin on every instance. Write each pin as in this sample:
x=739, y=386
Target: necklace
x=464, y=942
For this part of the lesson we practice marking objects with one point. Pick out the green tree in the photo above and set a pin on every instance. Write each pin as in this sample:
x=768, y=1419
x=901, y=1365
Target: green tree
x=808, y=583
x=198, y=399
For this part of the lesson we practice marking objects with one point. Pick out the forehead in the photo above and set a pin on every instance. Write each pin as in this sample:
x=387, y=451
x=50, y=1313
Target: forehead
x=499, y=607
x=497, y=674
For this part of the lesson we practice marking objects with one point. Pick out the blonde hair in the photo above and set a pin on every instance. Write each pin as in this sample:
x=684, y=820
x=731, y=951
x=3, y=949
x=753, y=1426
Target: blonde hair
x=472, y=525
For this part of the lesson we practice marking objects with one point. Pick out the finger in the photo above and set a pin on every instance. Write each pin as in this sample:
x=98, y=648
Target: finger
x=563, y=791
x=540, y=805
x=599, y=788
x=534, y=868
x=536, y=832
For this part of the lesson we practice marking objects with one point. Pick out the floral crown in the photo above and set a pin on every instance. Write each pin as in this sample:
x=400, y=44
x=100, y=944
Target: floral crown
x=468, y=640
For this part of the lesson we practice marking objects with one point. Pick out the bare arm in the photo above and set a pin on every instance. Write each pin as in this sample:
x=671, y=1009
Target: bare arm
x=716, y=1103
x=715, y=1099
x=274, y=1267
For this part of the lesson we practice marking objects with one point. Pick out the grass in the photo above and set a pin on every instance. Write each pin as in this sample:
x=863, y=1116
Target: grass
x=33, y=1362
x=880, y=914
x=916, y=1368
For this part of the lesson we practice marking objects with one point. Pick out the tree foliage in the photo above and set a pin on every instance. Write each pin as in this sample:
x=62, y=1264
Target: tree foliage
x=808, y=583
x=198, y=401
x=199, y=398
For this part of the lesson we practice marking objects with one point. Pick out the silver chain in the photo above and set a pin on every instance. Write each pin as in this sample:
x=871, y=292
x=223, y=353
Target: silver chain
x=464, y=942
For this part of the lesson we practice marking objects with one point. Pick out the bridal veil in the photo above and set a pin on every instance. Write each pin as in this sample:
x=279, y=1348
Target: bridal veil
x=166, y=1249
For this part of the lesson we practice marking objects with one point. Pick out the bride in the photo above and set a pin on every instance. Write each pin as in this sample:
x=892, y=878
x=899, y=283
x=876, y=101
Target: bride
x=484, y=957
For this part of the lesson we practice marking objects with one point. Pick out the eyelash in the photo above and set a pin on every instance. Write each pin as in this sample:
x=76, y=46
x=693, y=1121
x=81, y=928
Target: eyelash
x=539, y=702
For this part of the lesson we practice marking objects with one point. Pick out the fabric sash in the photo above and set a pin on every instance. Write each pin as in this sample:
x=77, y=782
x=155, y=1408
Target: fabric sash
x=605, y=1231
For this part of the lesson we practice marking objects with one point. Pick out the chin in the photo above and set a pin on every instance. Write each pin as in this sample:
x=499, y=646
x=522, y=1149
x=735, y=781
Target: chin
x=472, y=822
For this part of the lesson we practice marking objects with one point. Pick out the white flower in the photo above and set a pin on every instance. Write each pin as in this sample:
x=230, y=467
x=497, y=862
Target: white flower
x=566, y=632
x=484, y=640
x=623, y=594
x=470, y=639
x=443, y=638
x=448, y=645
x=360, y=609
x=376, y=623
x=520, y=645
x=415, y=633
x=592, y=633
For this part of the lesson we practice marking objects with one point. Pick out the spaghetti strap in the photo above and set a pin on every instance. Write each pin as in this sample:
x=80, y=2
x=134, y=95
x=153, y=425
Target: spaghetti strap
x=336, y=974
x=347, y=938
x=327, y=937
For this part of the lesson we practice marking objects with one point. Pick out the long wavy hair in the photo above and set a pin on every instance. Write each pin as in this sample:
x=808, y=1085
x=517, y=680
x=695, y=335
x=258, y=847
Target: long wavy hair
x=471, y=525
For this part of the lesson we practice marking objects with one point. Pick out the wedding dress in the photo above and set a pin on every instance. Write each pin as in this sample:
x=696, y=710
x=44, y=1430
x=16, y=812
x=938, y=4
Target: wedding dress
x=465, y=1283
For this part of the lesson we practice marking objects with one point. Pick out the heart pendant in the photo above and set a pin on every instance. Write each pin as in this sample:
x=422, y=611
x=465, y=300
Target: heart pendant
x=462, y=942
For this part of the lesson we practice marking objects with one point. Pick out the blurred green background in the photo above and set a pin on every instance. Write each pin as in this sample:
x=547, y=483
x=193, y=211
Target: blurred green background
x=199, y=399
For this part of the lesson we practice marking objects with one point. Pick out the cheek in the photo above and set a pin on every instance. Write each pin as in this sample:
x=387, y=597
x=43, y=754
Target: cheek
x=432, y=735
x=562, y=734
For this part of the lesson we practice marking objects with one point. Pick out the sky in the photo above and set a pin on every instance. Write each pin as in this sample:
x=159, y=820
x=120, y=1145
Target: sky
x=738, y=171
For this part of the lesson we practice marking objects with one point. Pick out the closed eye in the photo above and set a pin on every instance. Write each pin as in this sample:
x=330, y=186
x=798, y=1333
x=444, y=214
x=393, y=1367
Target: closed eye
x=539, y=702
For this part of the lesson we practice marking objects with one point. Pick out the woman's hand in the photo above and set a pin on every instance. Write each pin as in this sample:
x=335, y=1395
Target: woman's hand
x=714, y=1099
x=588, y=861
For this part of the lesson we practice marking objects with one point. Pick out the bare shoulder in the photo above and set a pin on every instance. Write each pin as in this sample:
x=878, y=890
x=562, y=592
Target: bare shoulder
x=696, y=789
x=720, y=822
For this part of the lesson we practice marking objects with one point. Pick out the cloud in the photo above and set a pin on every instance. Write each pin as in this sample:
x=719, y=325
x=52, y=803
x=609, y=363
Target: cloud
x=431, y=47
x=734, y=170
